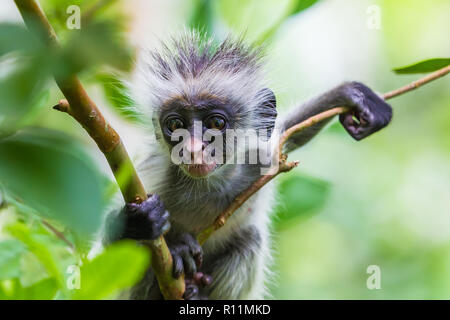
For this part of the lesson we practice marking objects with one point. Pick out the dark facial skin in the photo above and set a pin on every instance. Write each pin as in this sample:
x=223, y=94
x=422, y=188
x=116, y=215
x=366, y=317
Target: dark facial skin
x=180, y=113
x=214, y=118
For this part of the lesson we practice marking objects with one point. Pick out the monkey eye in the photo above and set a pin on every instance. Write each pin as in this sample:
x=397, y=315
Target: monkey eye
x=215, y=122
x=174, y=123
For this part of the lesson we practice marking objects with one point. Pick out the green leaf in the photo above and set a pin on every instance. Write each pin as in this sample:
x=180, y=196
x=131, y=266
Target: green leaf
x=300, y=5
x=15, y=37
x=42, y=290
x=40, y=249
x=300, y=196
x=20, y=92
x=294, y=7
x=253, y=17
x=202, y=16
x=51, y=174
x=424, y=66
x=98, y=43
x=31, y=269
x=10, y=253
x=118, y=95
x=119, y=267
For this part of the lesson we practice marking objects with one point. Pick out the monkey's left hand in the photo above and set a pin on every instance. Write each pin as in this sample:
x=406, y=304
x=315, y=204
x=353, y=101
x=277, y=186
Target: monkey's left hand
x=193, y=285
x=187, y=255
x=186, y=252
x=372, y=113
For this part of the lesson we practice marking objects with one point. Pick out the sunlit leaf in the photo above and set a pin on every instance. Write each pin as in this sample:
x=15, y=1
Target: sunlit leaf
x=32, y=270
x=300, y=196
x=253, y=17
x=202, y=16
x=42, y=290
x=119, y=267
x=10, y=253
x=424, y=66
x=118, y=95
x=260, y=19
x=22, y=232
x=49, y=172
x=300, y=5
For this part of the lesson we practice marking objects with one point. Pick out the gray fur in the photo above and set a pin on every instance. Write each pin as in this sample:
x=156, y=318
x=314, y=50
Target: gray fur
x=237, y=255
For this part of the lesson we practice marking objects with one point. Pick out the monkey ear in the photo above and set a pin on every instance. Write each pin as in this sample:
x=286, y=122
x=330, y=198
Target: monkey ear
x=267, y=110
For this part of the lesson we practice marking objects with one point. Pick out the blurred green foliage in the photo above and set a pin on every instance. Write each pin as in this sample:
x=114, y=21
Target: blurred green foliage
x=312, y=191
x=384, y=201
x=48, y=174
x=51, y=173
x=118, y=95
x=257, y=19
x=112, y=271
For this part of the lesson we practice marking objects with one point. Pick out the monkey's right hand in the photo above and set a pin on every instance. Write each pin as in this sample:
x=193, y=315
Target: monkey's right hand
x=145, y=221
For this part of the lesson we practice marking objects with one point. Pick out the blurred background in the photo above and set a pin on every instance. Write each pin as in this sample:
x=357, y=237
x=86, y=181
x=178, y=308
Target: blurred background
x=384, y=201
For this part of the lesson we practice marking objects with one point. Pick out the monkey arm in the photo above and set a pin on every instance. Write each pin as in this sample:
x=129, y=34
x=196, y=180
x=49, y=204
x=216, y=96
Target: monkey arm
x=371, y=112
x=144, y=221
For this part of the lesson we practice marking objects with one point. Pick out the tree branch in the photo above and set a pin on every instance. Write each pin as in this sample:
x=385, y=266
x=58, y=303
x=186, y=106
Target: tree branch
x=416, y=84
x=285, y=166
x=84, y=110
x=58, y=234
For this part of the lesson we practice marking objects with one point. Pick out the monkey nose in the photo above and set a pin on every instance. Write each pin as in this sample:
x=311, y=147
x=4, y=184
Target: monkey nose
x=195, y=145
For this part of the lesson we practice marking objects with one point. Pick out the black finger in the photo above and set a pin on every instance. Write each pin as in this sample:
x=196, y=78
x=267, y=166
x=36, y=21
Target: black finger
x=177, y=265
x=190, y=292
x=195, y=249
x=131, y=207
x=150, y=204
x=189, y=263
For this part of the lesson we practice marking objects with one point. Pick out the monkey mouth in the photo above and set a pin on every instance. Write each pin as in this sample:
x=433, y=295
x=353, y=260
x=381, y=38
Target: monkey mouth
x=199, y=170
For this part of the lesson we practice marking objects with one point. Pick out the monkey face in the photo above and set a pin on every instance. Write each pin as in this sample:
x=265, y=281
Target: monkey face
x=190, y=127
x=201, y=131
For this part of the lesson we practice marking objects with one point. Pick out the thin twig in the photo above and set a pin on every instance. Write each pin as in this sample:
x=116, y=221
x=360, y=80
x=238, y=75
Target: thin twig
x=285, y=166
x=416, y=84
x=58, y=233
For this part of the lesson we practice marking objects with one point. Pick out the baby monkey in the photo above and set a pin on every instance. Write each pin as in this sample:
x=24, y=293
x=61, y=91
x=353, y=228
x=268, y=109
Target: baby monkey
x=197, y=86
